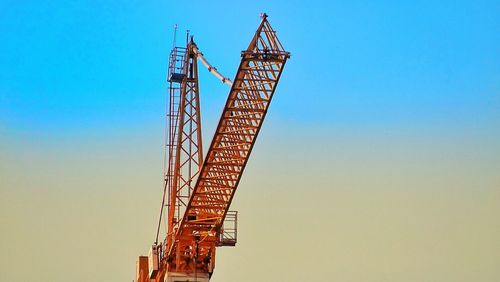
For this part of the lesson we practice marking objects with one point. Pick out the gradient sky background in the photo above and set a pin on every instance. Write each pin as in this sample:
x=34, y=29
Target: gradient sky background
x=379, y=159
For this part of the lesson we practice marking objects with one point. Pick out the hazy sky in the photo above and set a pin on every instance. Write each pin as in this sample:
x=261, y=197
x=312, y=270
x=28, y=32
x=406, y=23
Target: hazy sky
x=379, y=159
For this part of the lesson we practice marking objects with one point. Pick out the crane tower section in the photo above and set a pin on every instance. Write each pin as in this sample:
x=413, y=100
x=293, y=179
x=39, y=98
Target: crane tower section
x=246, y=107
x=184, y=145
x=200, y=190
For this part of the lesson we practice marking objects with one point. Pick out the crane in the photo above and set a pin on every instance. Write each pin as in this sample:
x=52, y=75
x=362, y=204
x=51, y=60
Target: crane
x=198, y=191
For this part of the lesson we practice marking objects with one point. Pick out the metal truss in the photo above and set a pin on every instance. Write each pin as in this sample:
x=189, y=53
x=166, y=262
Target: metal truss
x=192, y=248
x=184, y=139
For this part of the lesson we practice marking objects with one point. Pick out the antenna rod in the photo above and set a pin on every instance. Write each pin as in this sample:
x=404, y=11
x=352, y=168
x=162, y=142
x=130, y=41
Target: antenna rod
x=175, y=36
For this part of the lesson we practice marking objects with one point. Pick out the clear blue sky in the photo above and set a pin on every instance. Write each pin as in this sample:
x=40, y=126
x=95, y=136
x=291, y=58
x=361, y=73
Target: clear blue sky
x=66, y=65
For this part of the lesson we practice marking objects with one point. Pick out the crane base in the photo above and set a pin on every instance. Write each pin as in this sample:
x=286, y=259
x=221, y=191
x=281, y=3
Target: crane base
x=183, y=277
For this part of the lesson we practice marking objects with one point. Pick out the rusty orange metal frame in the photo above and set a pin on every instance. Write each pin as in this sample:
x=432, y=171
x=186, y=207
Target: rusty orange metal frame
x=192, y=248
x=185, y=141
x=200, y=193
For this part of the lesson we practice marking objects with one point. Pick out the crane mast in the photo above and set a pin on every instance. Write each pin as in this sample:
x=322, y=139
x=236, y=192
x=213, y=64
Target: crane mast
x=184, y=143
x=200, y=191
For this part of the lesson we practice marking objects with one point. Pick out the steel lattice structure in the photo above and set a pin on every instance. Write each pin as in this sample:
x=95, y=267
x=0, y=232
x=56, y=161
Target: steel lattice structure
x=185, y=141
x=197, y=210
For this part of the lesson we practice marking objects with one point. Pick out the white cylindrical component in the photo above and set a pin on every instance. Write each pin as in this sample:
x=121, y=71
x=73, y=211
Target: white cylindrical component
x=210, y=68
